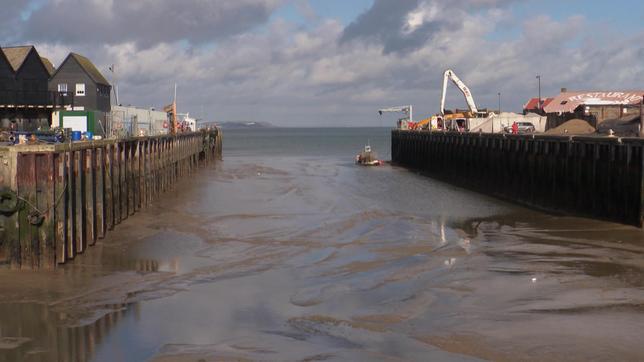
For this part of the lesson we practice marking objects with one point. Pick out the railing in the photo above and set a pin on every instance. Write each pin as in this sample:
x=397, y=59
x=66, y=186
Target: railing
x=24, y=98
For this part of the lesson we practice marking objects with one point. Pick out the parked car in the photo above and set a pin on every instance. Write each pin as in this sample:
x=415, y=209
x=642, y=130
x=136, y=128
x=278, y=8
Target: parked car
x=523, y=127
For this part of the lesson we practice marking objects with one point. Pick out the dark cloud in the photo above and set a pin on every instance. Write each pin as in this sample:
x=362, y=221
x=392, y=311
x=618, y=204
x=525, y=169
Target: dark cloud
x=383, y=23
x=407, y=25
x=145, y=22
x=10, y=18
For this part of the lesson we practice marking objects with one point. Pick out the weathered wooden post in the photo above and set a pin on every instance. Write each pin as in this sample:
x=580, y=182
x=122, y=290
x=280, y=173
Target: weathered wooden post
x=67, y=196
x=642, y=117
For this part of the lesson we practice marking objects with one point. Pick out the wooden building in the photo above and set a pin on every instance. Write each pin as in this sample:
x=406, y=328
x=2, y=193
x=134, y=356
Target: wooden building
x=533, y=105
x=79, y=76
x=7, y=79
x=25, y=101
x=592, y=106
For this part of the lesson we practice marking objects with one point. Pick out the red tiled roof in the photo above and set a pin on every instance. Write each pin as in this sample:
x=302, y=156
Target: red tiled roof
x=533, y=103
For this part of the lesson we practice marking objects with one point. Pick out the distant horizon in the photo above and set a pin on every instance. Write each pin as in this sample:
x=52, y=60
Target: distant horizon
x=309, y=126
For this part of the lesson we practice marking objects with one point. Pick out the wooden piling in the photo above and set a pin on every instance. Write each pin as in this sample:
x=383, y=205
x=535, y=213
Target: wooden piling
x=71, y=195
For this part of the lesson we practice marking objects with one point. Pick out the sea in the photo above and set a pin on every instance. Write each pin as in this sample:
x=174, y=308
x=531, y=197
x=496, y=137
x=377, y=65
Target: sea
x=286, y=250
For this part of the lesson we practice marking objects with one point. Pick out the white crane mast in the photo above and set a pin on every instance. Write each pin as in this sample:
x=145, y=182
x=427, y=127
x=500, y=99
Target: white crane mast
x=449, y=75
x=408, y=110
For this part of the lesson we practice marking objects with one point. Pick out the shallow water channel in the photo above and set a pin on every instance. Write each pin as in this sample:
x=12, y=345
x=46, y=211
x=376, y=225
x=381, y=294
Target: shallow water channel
x=288, y=251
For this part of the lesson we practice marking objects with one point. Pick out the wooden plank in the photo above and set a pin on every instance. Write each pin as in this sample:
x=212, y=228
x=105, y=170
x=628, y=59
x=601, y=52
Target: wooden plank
x=127, y=184
x=60, y=215
x=139, y=174
x=100, y=192
x=116, y=185
x=641, y=182
x=26, y=182
x=46, y=203
x=109, y=192
x=131, y=200
x=71, y=205
x=90, y=196
x=123, y=212
x=79, y=212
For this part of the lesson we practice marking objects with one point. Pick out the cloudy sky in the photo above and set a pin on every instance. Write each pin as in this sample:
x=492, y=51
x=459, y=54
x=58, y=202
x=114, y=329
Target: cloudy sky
x=335, y=62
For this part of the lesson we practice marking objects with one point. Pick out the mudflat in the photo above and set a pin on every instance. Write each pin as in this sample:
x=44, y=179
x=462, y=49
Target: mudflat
x=298, y=254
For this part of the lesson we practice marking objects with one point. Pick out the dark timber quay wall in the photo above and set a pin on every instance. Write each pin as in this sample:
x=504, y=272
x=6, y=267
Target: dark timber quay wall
x=599, y=177
x=57, y=200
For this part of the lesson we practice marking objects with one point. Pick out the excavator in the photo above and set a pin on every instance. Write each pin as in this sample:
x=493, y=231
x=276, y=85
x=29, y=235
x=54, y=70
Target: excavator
x=460, y=118
x=405, y=122
x=425, y=124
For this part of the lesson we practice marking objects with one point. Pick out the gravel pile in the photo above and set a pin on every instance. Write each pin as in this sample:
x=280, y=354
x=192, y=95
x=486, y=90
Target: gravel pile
x=572, y=127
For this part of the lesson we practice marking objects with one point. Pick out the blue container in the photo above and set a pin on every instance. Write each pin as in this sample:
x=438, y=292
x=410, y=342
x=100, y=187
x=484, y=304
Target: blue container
x=76, y=135
x=89, y=135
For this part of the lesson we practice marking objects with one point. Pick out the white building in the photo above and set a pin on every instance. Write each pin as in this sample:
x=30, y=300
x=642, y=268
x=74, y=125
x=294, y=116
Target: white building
x=132, y=121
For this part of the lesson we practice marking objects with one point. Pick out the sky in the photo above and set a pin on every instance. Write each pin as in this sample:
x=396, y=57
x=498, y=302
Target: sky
x=319, y=63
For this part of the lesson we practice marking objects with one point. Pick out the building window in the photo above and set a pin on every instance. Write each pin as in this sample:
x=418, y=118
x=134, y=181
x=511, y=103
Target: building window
x=62, y=87
x=80, y=89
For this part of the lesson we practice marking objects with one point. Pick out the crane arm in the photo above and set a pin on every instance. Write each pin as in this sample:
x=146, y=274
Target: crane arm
x=449, y=75
x=408, y=110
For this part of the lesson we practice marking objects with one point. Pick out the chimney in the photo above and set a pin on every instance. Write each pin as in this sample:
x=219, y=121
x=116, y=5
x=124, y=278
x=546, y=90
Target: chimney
x=564, y=90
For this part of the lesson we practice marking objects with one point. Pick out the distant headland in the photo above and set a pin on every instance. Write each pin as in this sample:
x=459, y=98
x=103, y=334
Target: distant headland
x=245, y=125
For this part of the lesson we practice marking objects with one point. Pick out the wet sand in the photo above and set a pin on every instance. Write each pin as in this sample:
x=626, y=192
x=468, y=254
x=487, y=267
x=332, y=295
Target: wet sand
x=308, y=258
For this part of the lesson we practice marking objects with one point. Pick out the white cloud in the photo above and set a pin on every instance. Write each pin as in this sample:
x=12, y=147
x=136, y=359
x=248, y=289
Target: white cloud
x=320, y=75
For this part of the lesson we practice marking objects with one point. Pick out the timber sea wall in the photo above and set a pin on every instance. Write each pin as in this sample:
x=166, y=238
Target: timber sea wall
x=57, y=200
x=599, y=177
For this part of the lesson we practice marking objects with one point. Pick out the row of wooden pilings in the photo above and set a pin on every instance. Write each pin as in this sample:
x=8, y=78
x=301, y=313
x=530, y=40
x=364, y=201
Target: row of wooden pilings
x=58, y=200
x=600, y=177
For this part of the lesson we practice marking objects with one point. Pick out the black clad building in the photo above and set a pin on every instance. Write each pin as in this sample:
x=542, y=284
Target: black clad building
x=25, y=101
x=78, y=76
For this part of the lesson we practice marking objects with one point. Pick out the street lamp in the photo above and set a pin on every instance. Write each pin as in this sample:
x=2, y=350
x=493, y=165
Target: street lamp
x=112, y=69
x=499, y=102
x=539, y=78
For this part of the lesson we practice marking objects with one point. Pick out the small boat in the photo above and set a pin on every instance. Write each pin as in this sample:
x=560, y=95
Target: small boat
x=368, y=157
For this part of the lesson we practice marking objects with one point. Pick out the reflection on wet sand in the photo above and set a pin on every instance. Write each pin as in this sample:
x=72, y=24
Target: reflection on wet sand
x=314, y=259
x=29, y=333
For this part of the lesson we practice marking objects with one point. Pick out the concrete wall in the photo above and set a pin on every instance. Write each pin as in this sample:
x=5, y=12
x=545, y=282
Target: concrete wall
x=496, y=123
x=590, y=176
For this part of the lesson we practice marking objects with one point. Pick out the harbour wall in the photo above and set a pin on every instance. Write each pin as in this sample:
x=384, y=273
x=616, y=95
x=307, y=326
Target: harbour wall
x=600, y=177
x=57, y=200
